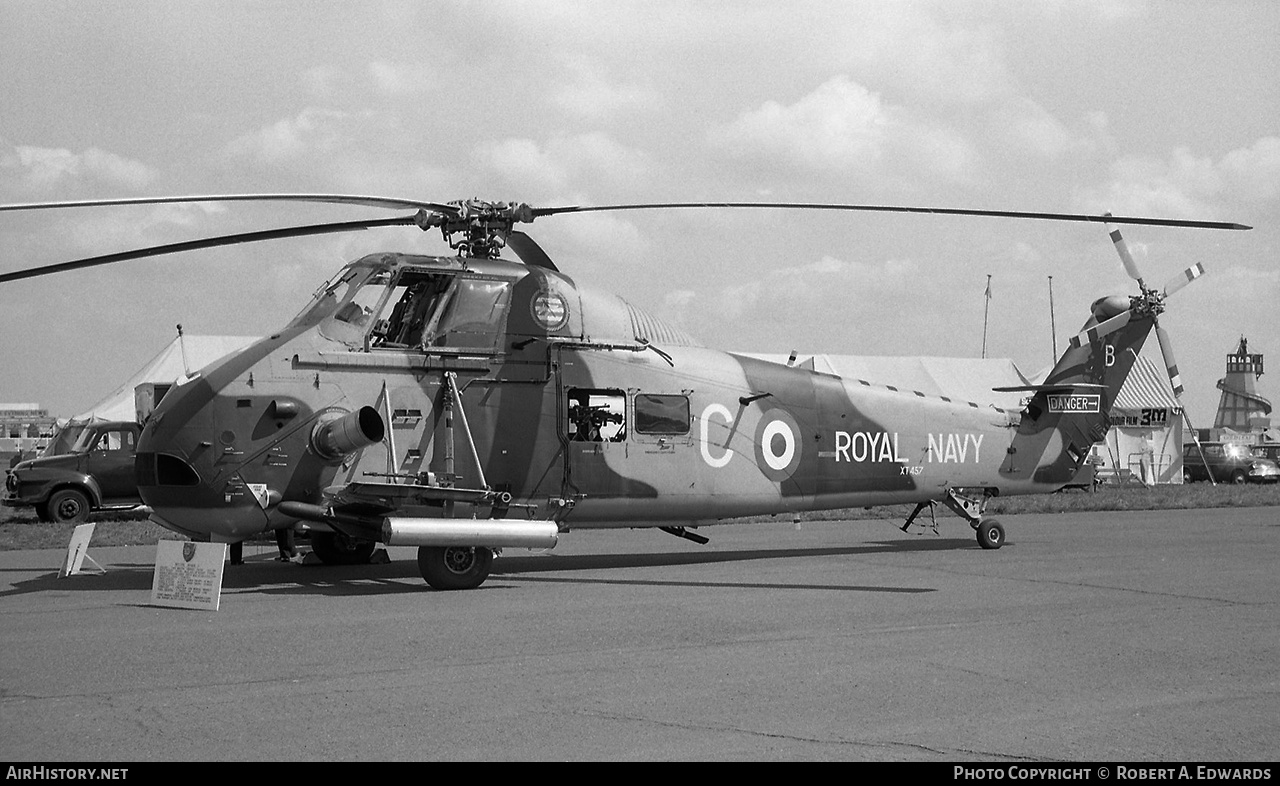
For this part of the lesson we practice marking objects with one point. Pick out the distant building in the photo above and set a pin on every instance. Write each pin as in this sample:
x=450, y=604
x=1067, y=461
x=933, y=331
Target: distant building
x=1243, y=415
x=24, y=427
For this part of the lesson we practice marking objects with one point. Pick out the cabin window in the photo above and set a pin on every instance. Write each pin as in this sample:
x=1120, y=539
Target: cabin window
x=597, y=415
x=662, y=414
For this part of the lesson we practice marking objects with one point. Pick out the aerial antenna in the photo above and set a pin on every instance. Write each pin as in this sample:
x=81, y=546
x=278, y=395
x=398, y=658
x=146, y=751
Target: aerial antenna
x=182, y=346
x=1053, y=325
x=985, y=310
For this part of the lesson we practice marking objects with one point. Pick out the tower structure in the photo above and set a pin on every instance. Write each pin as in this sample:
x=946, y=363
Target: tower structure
x=1241, y=409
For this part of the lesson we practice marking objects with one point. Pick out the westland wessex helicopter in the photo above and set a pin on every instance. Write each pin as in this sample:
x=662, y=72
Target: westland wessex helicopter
x=464, y=404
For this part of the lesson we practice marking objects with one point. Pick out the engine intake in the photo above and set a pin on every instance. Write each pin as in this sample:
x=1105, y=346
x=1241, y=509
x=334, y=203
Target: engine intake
x=338, y=437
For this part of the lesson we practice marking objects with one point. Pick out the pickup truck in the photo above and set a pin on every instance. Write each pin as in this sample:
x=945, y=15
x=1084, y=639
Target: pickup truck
x=97, y=474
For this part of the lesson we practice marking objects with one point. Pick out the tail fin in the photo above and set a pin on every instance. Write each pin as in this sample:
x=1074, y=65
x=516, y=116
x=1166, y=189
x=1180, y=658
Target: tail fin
x=1067, y=413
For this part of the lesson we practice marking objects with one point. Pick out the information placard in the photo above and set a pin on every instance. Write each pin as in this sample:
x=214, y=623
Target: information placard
x=188, y=575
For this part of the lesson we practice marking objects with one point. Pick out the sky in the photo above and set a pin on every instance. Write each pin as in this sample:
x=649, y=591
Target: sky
x=1167, y=109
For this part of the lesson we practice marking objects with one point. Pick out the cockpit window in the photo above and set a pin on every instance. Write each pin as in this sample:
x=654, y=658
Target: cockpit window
x=444, y=310
x=419, y=309
x=351, y=282
x=470, y=315
x=417, y=297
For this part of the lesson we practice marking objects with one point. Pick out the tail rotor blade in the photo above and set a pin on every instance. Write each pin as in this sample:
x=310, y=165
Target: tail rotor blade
x=1130, y=266
x=1171, y=365
x=1102, y=329
x=1182, y=279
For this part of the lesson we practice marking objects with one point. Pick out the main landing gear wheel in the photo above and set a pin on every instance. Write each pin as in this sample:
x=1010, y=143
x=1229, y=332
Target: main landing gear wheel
x=990, y=534
x=454, y=567
x=334, y=548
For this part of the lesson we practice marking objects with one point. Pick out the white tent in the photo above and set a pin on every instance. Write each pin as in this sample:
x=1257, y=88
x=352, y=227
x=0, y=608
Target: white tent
x=1145, y=440
x=182, y=356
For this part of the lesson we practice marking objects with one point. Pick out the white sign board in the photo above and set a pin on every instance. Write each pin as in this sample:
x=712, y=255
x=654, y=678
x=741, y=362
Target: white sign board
x=78, y=552
x=188, y=575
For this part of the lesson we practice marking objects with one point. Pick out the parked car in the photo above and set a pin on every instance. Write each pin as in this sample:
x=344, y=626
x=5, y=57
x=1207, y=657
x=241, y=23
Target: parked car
x=1229, y=463
x=1269, y=451
x=97, y=474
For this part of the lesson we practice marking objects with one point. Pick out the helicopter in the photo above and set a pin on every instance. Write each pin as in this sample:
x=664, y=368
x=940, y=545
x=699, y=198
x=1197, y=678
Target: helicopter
x=469, y=403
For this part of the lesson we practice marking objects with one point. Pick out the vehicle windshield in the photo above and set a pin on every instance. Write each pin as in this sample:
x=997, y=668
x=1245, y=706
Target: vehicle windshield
x=84, y=441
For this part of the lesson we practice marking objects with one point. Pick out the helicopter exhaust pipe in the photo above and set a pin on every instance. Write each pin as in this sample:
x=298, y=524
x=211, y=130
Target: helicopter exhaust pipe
x=493, y=533
x=336, y=438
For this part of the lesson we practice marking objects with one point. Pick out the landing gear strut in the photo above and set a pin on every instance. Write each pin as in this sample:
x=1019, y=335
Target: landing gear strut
x=681, y=532
x=990, y=532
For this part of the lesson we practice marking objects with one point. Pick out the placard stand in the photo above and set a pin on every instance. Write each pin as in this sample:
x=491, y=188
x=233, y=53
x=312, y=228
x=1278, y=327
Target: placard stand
x=78, y=554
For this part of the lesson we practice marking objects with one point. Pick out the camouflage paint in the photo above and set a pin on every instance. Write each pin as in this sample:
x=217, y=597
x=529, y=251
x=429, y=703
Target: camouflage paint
x=763, y=437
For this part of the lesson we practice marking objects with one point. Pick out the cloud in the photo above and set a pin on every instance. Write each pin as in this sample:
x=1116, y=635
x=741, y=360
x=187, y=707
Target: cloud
x=49, y=169
x=562, y=164
x=322, y=81
x=678, y=299
x=1026, y=125
x=1187, y=185
x=590, y=95
x=399, y=79
x=842, y=127
x=1254, y=171
x=826, y=283
x=521, y=161
x=313, y=131
x=840, y=122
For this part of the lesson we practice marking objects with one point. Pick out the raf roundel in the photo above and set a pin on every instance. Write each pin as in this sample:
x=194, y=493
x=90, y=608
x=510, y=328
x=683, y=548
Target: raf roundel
x=550, y=310
x=778, y=446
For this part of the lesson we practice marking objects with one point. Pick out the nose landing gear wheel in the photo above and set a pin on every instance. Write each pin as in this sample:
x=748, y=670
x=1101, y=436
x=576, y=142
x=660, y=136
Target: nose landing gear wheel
x=990, y=534
x=334, y=548
x=454, y=567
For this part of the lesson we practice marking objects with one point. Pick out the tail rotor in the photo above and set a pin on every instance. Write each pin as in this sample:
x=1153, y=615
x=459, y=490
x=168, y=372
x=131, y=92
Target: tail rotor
x=1149, y=302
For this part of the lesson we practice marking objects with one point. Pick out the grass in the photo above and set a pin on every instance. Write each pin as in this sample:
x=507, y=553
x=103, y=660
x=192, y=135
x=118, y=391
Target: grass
x=19, y=528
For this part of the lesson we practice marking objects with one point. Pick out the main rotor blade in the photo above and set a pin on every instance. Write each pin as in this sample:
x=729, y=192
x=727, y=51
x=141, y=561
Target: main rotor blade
x=1102, y=328
x=1171, y=365
x=1126, y=258
x=224, y=240
x=1182, y=279
x=529, y=251
x=1168, y=222
x=391, y=203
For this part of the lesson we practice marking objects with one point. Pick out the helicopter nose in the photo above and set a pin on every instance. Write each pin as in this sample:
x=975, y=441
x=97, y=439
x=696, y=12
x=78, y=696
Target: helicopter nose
x=181, y=501
x=177, y=468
